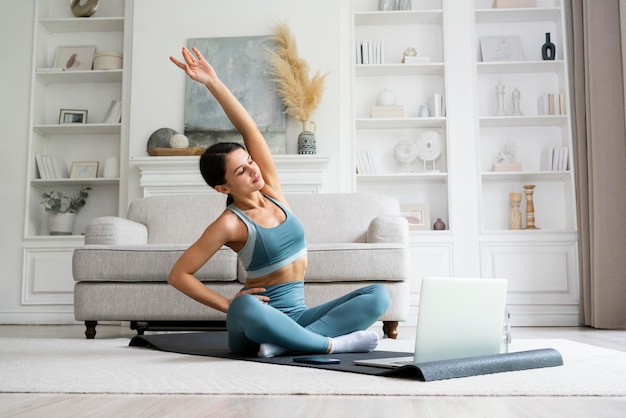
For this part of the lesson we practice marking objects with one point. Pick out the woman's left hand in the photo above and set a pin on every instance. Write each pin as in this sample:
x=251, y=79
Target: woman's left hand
x=196, y=67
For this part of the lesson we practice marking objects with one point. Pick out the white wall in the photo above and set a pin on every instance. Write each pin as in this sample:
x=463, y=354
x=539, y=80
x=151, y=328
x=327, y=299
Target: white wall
x=162, y=27
x=16, y=52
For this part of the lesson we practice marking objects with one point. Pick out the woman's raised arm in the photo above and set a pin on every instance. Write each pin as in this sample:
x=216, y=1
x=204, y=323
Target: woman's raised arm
x=198, y=69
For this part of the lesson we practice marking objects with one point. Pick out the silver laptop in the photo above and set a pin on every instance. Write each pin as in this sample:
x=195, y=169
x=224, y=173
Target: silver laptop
x=458, y=317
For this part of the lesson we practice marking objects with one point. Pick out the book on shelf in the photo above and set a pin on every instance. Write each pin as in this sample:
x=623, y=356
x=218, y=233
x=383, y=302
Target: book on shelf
x=551, y=104
x=50, y=167
x=364, y=163
x=555, y=159
x=370, y=52
x=436, y=105
x=388, y=111
x=114, y=114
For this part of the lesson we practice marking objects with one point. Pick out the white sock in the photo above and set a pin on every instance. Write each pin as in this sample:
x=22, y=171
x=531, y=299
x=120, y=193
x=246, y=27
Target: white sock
x=270, y=350
x=356, y=342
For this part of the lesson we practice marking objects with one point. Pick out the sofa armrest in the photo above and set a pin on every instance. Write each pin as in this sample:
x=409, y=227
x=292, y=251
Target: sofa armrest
x=111, y=230
x=388, y=229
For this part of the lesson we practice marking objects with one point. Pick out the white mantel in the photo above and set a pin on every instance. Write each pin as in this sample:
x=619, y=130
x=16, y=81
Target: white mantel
x=181, y=175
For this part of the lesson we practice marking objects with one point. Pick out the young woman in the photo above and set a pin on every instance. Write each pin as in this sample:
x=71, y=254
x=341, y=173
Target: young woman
x=269, y=315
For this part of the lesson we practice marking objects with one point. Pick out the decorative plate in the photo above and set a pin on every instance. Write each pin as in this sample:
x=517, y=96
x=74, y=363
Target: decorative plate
x=405, y=152
x=429, y=145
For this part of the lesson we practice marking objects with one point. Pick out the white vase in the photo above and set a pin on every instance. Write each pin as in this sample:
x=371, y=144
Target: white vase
x=111, y=168
x=61, y=223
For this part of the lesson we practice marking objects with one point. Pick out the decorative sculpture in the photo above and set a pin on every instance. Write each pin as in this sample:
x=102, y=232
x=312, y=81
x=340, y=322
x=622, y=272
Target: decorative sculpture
x=500, y=99
x=515, y=217
x=530, y=206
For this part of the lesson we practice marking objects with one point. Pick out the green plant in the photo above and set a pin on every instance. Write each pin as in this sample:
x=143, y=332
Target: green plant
x=56, y=202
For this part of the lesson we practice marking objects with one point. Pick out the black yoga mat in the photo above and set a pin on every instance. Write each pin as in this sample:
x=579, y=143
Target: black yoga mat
x=214, y=344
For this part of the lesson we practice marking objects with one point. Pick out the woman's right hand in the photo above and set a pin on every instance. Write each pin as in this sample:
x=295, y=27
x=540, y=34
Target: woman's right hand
x=196, y=67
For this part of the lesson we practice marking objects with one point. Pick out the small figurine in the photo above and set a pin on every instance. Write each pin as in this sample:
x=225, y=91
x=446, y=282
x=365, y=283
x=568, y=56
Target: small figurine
x=507, y=155
x=500, y=99
x=515, y=98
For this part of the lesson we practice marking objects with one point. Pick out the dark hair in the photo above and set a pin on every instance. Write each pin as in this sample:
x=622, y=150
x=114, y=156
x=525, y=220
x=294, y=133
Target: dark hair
x=213, y=164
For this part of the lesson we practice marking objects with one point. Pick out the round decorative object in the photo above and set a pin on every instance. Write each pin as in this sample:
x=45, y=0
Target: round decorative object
x=386, y=98
x=179, y=141
x=405, y=153
x=84, y=8
x=161, y=138
x=429, y=145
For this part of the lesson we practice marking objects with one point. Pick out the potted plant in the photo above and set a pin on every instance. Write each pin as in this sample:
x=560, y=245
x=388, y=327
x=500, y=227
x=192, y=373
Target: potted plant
x=300, y=93
x=62, y=209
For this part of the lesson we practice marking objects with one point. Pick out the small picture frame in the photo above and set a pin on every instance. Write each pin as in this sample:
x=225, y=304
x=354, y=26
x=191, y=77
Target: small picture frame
x=75, y=58
x=84, y=170
x=73, y=116
x=418, y=216
x=501, y=48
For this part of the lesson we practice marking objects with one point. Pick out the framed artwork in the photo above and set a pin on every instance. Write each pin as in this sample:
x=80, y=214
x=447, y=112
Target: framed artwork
x=242, y=65
x=73, y=116
x=84, y=170
x=418, y=216
x=501, y=48
x=75, y=58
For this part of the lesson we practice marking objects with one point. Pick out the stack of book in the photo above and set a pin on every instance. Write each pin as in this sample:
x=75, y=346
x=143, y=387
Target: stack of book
x=364, y=163
x=114, y=114
x=551, y=104
x=388, y=111
x=436, y=106
x=555, y=159
x=50, y=167
x=370, y=52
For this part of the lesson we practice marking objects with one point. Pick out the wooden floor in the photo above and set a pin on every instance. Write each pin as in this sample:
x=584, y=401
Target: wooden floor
x=63, y=405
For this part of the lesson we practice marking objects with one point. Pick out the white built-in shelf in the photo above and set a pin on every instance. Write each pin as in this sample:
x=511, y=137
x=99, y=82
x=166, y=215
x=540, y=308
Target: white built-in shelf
x=399, y=17
x=74, y=182
x=93, y=24
x=78, y=128
x=526, y=176
x=395, y=178
x=513, y=15
x=521, y=121
x=76, y=77
x=400, y=123
x=517, y=67
x=363, y=70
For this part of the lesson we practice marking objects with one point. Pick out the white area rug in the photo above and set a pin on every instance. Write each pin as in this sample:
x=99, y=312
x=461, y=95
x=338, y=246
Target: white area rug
x=50, y=365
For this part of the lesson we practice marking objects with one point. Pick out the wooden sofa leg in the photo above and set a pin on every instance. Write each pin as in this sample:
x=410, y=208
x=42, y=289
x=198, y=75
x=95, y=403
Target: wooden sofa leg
x=90, y=329
x=390, y=329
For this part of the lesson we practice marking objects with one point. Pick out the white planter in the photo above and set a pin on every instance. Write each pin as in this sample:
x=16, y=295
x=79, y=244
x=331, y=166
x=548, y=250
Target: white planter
x=61, y=223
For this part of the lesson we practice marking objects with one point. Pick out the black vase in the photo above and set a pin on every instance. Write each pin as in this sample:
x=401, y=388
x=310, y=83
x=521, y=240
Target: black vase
x=548, y=49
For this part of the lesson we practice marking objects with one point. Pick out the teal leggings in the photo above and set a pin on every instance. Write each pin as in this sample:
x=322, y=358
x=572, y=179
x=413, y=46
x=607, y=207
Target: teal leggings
x=287, y=322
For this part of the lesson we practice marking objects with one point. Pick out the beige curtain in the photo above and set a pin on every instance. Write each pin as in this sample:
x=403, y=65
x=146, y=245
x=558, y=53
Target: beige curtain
x=597, y=99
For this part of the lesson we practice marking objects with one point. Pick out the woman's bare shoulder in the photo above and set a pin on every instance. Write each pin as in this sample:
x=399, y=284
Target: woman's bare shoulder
x=228, y=229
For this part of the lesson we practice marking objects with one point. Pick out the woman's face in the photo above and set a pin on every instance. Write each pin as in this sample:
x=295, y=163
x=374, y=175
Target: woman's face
x=243, y=175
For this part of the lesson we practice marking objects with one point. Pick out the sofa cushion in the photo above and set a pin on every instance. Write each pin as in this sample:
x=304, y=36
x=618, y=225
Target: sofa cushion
x=133, y=263
x=177, y=219
x=340, y=217
x=357, y=262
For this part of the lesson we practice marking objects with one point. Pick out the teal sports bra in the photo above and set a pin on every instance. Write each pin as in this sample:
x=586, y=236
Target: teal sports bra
x=269, y=249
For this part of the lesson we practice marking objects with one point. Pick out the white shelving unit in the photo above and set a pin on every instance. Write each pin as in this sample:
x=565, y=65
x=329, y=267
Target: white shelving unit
x=47, y=259
x=412, y=84
x=472, y=199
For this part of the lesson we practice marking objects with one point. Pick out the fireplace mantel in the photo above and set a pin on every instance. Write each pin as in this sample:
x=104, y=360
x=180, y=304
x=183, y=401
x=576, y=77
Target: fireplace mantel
x=180, y=175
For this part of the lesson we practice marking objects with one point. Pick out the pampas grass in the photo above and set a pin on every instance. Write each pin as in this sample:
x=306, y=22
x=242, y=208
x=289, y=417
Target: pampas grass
x=300, y=93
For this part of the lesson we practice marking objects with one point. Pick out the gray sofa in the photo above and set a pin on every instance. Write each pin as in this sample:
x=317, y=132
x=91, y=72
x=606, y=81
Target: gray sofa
x=121, y=271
